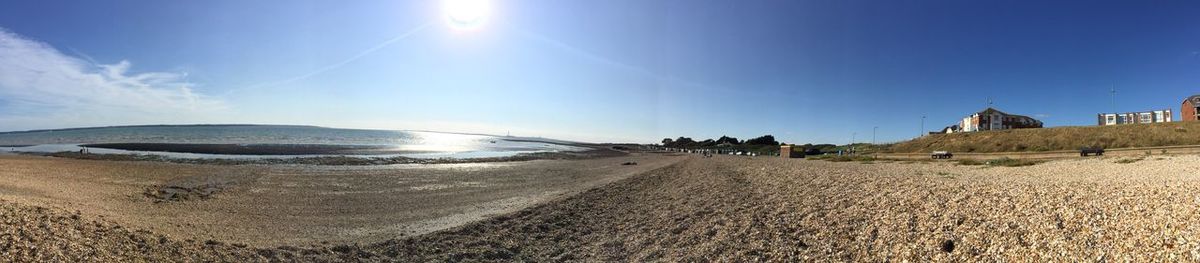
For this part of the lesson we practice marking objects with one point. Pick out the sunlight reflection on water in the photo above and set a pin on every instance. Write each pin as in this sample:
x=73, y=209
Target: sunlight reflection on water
x=411, y=144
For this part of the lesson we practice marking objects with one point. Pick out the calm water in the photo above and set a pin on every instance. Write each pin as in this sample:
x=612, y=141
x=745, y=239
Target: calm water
x=419, y=144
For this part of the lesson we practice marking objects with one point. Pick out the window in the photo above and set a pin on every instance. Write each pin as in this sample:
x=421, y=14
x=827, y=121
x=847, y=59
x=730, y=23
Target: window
x=1145, y=117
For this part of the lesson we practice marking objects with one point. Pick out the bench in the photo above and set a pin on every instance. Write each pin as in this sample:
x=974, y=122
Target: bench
x=1085, y=151
x=941, y=155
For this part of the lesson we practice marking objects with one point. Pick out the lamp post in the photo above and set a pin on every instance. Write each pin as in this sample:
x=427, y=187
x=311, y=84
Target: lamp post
x=874, y=147
x=850, y=147
x=1113, y=92
x=922, y=132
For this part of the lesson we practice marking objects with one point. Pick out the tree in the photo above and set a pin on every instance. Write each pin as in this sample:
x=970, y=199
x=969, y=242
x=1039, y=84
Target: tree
x=727, y=139
x=708, y=143
x=763, y=140
x=668, y=142
x=685, y=142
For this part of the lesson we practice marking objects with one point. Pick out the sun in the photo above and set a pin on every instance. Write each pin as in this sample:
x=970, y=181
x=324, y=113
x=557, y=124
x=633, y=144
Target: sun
x=466, y=14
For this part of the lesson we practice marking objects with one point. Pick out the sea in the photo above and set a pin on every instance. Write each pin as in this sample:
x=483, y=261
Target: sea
x=413, y=144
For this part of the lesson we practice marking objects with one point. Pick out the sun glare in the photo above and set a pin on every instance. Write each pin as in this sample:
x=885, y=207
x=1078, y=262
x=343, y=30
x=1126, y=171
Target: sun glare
x=466, y=14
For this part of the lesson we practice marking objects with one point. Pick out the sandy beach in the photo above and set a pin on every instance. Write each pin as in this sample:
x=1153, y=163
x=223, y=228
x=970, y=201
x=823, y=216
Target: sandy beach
x=302, y=205
x=667, y=207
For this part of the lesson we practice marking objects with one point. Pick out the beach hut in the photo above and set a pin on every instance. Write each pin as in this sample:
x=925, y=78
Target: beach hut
x=790, y=151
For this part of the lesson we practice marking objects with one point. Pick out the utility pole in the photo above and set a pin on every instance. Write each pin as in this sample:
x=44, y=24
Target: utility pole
x=873, y=130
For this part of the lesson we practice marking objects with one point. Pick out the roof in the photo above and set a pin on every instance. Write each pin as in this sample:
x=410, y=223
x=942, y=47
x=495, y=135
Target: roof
x=1133, y=112
x=1195, y=99
x=990, y=109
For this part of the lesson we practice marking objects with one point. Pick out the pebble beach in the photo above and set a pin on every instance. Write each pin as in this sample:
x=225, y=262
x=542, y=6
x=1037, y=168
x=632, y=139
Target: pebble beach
x=726, y=208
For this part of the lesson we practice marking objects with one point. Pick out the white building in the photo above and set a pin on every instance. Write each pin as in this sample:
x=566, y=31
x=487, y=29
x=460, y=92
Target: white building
x=991, y=119
x=1156, y=116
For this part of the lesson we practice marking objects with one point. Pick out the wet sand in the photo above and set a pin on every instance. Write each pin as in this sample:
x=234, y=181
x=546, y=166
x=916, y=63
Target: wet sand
x=727, y=208
x=303, y=205
x=593, y=151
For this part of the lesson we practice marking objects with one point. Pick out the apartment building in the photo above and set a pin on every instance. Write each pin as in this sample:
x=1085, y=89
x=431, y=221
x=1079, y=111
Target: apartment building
x=1154, y=116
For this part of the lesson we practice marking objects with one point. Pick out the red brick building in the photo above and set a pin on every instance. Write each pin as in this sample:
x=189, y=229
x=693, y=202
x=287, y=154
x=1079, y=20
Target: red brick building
x=1190, y=108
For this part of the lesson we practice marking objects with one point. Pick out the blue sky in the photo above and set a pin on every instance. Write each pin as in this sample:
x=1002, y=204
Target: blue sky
x=637, y=70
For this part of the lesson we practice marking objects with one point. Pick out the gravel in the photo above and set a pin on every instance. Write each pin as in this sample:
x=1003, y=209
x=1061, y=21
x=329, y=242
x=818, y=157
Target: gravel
x=768, y=209
x=38, y=234
x=755, y=209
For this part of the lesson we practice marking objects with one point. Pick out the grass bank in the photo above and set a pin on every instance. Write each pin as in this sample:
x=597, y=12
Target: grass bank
x=1058, y=138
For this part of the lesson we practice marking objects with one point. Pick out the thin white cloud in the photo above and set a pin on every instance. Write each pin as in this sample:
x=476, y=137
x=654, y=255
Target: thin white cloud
x=342, y=63
x=586, y=54
x=40, y=87
x=617, y=64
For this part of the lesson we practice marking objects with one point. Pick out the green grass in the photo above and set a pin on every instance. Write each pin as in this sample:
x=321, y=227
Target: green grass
x=1132, y=160
x=1004, y=161
x=1009, y=162
x=1057, y=138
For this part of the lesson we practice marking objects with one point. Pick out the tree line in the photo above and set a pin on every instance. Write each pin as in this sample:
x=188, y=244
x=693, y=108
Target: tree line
x=685, y=142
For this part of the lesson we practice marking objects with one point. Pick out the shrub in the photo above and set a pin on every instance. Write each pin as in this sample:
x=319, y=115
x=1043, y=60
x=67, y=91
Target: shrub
x=1124, y=161
x=1009, y=162
x=969, y=162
